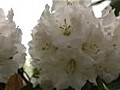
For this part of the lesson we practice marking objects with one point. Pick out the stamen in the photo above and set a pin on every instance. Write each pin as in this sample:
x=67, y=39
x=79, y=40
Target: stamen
x=66, y=28
x=90, y=48
x=46, y=47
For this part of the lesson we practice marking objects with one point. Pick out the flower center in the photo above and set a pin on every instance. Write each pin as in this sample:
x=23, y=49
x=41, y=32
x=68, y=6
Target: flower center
x=66, y=28
x=91, y=48
x=70, y=2
x=70, y=67
x=46, y=46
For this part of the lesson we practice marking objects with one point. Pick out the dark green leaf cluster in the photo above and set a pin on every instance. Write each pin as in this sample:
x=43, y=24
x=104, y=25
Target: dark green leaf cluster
x=101, y=85
x=30, y=87
x=2, y=86
x=115, y=4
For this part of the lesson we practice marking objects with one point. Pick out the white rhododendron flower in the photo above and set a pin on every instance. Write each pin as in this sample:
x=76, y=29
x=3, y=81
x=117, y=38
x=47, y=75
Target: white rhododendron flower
x=12, y=52
x=71, y=46
x=109, y=21
x=109, y=68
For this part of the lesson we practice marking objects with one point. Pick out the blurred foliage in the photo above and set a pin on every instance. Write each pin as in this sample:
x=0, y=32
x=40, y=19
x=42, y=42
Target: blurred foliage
x=116, y=5
x=89, y=86
x=30, y=87
x=2, y=86
x=114, y=85
x=36, y=73
x=28, y=67
x=102, y=85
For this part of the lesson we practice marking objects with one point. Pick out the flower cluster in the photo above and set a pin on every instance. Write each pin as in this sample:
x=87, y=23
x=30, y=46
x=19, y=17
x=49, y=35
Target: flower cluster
x=12, y=52
x=71, y=46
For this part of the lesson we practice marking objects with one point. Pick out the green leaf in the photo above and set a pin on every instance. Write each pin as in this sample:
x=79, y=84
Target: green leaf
x=36, y=73
x=89, y=86
x=115, y=4
x=27, y=87
x=30, y=87
x=114, y=85
x=101, y=84
x=38, y=87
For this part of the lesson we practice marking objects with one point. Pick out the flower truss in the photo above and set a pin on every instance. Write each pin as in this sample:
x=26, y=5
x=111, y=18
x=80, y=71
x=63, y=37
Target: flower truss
x=12, y=52
x=71, y=46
